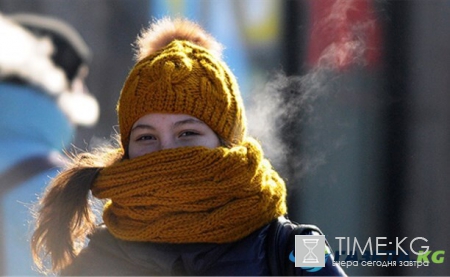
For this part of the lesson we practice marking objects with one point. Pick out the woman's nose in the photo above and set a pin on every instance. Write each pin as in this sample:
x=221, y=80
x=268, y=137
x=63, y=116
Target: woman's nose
x=168, y=143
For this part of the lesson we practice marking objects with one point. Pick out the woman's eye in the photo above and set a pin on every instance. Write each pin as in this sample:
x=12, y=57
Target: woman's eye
x=145, y=137
x=188, y=133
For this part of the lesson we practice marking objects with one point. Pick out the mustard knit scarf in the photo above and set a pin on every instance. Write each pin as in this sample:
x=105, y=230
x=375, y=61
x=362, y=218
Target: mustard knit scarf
x=191, y=194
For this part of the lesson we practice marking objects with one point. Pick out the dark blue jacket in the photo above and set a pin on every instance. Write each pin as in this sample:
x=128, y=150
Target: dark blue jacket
x=106, y=256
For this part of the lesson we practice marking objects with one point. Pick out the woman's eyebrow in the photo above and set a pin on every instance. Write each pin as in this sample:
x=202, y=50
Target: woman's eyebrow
x=188, y=121
x=143, y=126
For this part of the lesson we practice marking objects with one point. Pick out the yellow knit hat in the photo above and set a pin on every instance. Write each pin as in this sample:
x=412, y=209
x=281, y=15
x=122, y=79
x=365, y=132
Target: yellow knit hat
x=178, y=71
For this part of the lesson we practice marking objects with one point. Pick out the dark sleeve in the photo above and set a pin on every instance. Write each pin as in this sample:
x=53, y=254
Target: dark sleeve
x=103, y=257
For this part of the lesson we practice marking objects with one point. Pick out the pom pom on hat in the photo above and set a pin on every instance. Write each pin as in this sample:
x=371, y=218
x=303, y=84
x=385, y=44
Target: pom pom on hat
x=164, y=31
x=179, y=71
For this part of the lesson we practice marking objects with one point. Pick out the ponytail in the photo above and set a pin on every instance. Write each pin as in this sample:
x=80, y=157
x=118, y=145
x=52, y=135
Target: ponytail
x=65, y=216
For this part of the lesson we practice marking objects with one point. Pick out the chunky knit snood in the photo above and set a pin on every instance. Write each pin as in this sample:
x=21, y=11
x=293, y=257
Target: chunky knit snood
x=191, y=194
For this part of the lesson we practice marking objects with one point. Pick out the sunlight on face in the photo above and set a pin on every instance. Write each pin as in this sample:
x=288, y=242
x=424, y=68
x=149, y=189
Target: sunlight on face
x=154, y=132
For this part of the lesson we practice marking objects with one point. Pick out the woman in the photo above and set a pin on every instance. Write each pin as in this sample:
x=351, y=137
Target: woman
x=188, y=193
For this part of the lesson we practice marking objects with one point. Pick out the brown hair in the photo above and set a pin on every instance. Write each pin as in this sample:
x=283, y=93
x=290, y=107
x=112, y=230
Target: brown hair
x=65, y=216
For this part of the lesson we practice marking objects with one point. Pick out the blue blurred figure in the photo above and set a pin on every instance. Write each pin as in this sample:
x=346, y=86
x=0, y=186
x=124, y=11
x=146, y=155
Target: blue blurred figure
x=43, y=64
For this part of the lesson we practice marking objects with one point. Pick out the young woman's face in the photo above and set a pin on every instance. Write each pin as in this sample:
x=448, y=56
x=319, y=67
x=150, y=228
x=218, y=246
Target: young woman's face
x=154, y=132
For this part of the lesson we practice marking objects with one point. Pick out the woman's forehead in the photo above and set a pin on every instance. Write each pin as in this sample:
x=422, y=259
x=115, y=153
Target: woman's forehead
x=167, y=119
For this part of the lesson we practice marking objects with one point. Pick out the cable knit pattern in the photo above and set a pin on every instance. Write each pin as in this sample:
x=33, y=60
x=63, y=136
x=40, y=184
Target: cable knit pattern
x=183, y=78
x=191, y=194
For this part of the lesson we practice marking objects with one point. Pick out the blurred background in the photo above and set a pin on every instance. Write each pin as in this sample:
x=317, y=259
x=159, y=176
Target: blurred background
x=351, y=100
